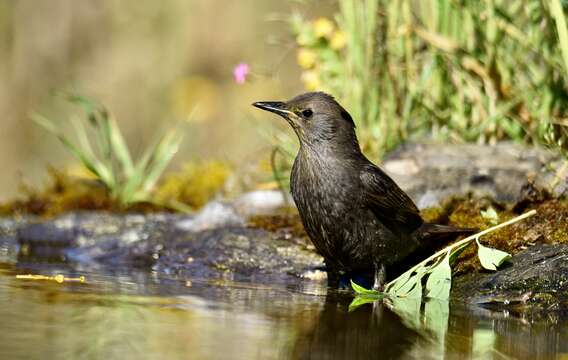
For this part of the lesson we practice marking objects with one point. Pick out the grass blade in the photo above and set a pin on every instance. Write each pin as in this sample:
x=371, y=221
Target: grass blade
x=89, y=162
x=120, y=149
x=558, y=14
x=166, y=150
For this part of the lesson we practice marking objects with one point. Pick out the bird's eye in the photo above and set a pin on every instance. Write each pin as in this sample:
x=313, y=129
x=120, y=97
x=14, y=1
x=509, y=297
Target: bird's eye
x=307, y=113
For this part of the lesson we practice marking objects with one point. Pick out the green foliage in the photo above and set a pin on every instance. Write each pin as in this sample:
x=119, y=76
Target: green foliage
x=359, y=290
x=437, y=270
x=364, y=296
x=490, y=258
x=490, y=215
x=465, y=71
x=102, y=150
x=439, y=281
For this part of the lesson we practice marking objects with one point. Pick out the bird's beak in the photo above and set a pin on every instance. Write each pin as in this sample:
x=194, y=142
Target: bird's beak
x=277, y=107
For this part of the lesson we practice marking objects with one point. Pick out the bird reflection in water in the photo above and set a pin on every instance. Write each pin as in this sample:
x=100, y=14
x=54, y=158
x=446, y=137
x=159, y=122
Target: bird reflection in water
x=370, y=331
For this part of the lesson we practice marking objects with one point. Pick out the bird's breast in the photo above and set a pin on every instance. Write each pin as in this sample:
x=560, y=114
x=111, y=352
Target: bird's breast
x=328, y=202
x=328, y=185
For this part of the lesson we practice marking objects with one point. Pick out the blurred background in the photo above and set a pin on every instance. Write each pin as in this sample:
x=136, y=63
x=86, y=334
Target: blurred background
x=407, y=70
x=151, y=63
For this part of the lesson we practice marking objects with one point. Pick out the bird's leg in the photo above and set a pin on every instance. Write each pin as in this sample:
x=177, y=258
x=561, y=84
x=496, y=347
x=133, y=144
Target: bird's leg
x=333, y=277
x=380, y=277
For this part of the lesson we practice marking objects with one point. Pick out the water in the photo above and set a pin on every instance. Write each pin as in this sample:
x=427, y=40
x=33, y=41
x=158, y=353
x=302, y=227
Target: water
x=140, y=315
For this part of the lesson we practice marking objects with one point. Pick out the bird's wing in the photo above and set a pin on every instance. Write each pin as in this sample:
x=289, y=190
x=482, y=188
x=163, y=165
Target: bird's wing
x=387, y=201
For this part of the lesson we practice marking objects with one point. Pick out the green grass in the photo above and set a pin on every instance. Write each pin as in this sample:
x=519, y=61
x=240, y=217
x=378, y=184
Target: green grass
x=102, y=150
x=446, y=70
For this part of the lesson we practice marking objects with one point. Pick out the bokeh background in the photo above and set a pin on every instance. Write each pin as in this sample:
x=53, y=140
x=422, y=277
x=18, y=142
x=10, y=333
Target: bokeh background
x=407, y=70
x=151, y=63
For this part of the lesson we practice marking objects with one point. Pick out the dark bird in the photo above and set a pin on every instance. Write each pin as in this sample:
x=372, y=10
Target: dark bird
x=357, y=217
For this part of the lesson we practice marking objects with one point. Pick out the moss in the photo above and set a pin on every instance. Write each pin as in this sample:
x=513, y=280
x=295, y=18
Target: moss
x=549, y=225
x=195, y=184
x=63, y=193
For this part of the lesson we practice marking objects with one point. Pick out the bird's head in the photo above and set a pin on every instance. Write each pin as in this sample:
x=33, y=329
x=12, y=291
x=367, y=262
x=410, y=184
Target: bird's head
x=316, y=117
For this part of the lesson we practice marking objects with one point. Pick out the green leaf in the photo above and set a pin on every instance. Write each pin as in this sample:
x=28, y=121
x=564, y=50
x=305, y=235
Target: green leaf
x=165, y=151
x=82, y=136
x=439, y=281
x=362, y=300
x=362, y=291
x=408, y=309
x=558, y=13
x=484, y=341
x=436, y=316
x=85, y=103
x=133, y=183
x=89, y=162
x=491, y=258
x=120, y=149
x=457, y=251
x=395, y=286
x=364, y=296
x=490, y=215
x=109, y=159
x=413, y=287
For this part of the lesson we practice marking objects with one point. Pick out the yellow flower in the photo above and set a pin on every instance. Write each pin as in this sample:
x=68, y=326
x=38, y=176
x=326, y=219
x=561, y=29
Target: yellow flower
x=338, y=40
x=306, y=58
x=323, y=28
x=311, y=80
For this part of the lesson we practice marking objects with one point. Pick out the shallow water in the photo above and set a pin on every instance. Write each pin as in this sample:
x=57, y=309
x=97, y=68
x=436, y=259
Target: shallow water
x=139, y=315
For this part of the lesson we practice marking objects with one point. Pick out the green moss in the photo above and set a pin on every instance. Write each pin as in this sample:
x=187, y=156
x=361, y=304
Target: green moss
x=195, y=184
x=193, y=187
x=63, y=193
x=549, y=225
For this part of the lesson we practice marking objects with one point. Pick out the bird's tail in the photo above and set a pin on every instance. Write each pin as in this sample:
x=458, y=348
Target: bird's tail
x=429, y=231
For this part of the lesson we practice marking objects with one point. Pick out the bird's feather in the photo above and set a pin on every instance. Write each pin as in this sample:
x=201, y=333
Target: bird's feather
x=387, y=201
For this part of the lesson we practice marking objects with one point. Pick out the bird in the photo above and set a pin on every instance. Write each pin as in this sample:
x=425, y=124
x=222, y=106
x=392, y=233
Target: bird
x=356, y=216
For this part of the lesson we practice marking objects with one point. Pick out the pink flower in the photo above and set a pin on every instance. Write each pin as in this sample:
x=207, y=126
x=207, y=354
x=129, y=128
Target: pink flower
x=240, y=73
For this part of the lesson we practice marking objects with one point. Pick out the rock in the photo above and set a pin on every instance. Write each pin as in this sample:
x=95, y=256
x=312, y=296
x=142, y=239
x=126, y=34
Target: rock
x=46, y=240
x=262, y=202
x=238, y=253
x=207, y=248
x=50, y=234
x=8, y=238
x=430, y=173
x=213, y=215
x=536, y=277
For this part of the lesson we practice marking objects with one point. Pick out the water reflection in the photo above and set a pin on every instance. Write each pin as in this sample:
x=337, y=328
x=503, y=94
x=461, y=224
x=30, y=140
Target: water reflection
x=125, y=314
x=367, y=332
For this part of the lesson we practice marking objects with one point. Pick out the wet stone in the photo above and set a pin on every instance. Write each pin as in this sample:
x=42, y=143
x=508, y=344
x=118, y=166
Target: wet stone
x=237, y=253
x=536, y=277
x=157, y=242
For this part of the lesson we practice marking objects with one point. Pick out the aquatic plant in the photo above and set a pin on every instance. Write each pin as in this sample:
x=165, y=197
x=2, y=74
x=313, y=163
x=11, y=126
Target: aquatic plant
x=102, y=150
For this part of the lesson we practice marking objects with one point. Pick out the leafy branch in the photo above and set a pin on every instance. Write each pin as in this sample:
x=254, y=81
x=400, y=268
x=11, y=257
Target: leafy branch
x=437, y=271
